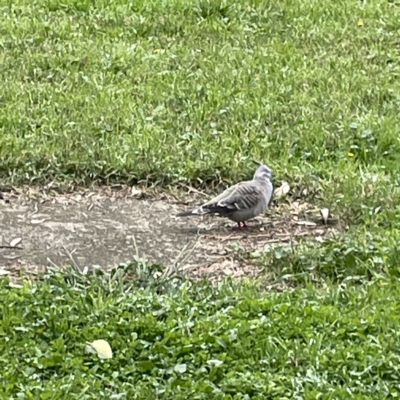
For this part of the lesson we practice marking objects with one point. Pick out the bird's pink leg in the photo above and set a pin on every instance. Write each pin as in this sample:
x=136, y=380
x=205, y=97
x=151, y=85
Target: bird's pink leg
x=239, y=227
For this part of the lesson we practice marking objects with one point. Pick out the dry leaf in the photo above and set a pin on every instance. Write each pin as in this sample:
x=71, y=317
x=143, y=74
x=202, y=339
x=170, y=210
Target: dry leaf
x=296, y=205
x=15, y=285
x=15, y=242
x=325, y=214
x=37, y=221
x=136, y=192
x=306, y=223
x=215, y=362
x=101, y=347
x=282, y=190
x=4, y=272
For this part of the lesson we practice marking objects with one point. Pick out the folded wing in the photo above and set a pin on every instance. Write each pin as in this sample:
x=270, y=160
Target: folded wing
x=242, y=196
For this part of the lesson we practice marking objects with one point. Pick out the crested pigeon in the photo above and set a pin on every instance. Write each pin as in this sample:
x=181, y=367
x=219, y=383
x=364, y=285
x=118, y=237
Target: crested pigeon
x=242, y=201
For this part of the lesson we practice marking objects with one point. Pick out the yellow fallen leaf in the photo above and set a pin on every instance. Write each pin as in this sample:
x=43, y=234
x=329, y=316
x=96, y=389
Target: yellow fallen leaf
x=282, y=190
x=100, y=347
x=360, y=22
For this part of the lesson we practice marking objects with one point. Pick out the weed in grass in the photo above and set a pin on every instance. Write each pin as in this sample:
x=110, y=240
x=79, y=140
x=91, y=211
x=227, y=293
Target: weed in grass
x=198, y=340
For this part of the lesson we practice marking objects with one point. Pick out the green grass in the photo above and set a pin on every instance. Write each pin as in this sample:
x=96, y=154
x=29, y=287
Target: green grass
x=166, y=91
x=108, y=91
x=199, y=341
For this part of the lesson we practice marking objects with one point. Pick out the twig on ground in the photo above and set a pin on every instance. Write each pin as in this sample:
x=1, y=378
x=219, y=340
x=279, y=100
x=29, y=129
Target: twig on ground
x=176, y=266
x=192, y=189
x=72, y=259
x=136, y=248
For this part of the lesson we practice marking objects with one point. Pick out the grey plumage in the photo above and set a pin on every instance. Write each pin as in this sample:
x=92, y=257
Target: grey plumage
x=242, y=201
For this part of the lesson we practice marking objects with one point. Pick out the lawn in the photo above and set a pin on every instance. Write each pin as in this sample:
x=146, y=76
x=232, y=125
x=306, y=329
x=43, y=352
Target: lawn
x=197, y=341
x=163, y=92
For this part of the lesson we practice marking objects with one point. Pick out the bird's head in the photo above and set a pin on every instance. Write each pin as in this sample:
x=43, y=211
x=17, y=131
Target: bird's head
x=262, y=172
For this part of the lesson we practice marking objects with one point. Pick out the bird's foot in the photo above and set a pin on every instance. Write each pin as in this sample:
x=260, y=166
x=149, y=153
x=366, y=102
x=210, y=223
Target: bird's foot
x=240, y=227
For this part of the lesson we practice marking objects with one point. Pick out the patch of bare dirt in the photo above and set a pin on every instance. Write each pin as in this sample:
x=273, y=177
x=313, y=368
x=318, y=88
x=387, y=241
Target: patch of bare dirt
x=105, y=227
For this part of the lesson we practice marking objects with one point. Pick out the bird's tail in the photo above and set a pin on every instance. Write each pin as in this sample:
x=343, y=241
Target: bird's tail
x=195, y=211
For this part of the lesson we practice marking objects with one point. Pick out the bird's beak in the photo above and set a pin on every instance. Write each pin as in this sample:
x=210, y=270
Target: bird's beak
x=257, y=163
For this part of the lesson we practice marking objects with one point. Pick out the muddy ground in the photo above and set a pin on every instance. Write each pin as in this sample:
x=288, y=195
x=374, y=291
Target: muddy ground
x=104, y=227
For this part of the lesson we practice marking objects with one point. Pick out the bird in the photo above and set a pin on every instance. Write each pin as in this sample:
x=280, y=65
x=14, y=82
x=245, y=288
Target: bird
x=242, y=201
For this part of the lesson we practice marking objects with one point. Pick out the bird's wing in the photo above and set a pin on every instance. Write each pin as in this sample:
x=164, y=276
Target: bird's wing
x=242, y=196
x=224, y=195
x=209, y=207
